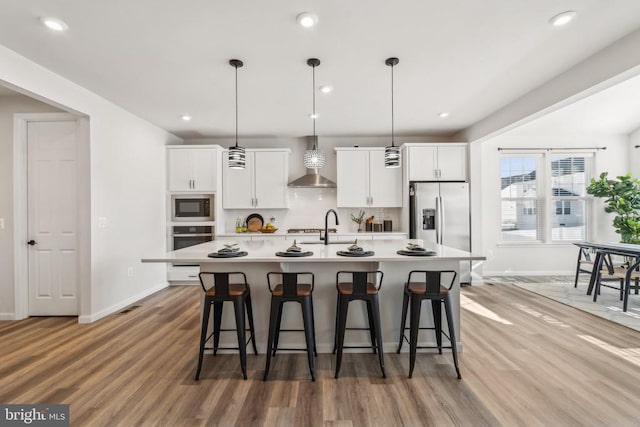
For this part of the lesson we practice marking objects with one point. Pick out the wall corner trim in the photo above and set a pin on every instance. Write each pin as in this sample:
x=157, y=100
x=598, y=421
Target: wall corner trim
x=90, y=318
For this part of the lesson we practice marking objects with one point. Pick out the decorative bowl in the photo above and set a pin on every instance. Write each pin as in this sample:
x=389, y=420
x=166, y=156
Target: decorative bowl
x=268, y=230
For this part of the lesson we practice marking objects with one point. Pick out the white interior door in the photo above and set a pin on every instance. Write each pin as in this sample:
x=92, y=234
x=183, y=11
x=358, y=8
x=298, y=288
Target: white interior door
x=52, y=218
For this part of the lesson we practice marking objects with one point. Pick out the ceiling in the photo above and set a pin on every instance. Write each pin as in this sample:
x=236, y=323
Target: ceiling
x=160, y=59
x=615, y=110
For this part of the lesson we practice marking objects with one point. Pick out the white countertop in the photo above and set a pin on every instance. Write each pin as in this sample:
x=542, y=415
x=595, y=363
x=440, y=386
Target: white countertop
x=310, y=236
x=264, y=251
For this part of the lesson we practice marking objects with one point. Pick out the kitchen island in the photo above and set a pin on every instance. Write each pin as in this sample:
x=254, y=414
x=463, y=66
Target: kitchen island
x=324, y=263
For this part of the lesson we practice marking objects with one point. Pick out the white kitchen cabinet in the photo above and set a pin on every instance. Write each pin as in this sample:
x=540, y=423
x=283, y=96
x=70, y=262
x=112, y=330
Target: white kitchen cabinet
x=192, y=169
x=429, y=162
x=363, y=181
x=261, y=184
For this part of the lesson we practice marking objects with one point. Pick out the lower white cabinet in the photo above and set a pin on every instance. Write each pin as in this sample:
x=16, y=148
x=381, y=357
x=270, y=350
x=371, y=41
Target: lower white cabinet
x=183, y=273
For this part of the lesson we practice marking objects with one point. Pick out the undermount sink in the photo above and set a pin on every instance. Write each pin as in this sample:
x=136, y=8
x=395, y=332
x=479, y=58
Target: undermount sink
x=331, y=242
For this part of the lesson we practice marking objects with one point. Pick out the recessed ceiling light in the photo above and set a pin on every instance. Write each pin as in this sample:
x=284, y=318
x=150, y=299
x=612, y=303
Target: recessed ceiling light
x=314, y=116
x=443, y=115
x=54, y=24
x=326, y=88
x=562, y=18
x=185, y=117
x=307, y=19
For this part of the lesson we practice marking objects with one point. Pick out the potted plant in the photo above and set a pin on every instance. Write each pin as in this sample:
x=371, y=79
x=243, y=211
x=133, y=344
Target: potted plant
x=358, y=219
x=622, y=197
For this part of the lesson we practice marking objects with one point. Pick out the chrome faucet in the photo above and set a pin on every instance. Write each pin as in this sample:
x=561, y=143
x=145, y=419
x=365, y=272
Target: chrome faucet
x=326, y=224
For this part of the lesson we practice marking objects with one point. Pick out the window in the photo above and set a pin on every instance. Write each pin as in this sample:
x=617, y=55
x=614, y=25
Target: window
x=535, y=180
x=520, y=201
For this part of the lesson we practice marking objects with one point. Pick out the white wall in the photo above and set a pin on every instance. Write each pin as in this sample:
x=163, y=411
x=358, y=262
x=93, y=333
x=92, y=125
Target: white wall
x=127, y=186
x=9, y=105
x=634, y=157
x=557, y=258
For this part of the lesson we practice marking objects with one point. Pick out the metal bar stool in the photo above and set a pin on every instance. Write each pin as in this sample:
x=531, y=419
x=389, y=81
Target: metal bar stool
x=291, y=289
x=359, y=288
x=428, y=289
x=217, y=290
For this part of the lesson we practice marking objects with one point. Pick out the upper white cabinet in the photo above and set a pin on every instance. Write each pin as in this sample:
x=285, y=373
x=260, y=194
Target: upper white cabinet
x=429, y=162
x=192, y=169
x=261, y=184
x=363, y=180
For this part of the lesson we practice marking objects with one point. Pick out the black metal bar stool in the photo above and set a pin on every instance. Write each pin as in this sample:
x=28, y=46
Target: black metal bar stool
x=359, y=288
x=428, y=289
x=291, y=289
x=217, y=290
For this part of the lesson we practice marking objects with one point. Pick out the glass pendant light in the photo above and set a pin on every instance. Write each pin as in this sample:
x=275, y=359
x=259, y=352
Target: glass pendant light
x=391, y=152
x=237, y=155
x=313, y=158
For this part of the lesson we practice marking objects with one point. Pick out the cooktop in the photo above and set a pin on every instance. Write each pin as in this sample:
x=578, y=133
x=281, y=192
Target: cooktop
x=310, y=230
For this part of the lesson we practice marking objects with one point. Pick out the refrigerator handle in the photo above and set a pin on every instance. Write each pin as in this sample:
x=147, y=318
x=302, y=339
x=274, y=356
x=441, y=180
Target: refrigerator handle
x=442, y=221
x=438, y=220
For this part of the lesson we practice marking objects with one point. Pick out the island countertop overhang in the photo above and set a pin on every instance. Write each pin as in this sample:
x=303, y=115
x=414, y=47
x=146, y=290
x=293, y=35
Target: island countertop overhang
x=265, y=251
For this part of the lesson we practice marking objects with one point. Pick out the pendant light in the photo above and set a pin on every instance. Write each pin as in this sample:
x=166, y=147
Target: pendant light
x=391, y=152
x=313, y=158
x=237, y=155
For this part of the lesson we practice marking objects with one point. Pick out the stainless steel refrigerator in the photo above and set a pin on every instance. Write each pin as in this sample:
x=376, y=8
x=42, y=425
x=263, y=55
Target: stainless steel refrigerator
x=439, y=213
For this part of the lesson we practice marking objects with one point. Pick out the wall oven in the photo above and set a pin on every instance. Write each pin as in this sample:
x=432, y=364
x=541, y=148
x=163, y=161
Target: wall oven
x=183, y=236
x=190, y=207
x=190, y=235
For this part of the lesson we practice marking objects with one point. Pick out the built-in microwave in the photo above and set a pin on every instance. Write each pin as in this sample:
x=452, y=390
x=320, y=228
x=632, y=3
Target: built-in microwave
x=190, y=207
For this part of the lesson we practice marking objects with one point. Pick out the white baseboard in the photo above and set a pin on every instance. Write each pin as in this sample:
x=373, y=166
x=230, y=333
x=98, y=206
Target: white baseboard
x=529, y=273
x=120, y=305
x=7, y=316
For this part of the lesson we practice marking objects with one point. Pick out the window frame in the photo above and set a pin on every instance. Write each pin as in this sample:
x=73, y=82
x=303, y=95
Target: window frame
x=546, y=201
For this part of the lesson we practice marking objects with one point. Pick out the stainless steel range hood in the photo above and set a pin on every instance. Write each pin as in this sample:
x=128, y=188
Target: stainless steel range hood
x=312, y=179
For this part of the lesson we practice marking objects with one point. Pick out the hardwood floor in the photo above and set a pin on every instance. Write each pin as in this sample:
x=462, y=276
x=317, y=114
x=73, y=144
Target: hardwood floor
x=527, y=361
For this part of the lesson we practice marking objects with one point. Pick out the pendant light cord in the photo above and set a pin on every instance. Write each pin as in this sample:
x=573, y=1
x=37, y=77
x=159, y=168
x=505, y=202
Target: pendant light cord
x=392, y=128
x=313, y=91
x=236, y=67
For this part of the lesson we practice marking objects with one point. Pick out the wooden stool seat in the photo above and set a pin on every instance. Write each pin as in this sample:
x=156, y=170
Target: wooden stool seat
x=235, y=289
x=303, y=289
x=346, y=288
x=421, y=288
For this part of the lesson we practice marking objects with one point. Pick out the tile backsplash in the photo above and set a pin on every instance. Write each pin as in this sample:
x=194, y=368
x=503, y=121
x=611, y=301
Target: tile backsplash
x=307, y=208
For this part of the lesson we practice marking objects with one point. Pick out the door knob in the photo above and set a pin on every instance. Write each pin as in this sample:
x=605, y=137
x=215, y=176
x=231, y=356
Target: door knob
x=31, y=242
